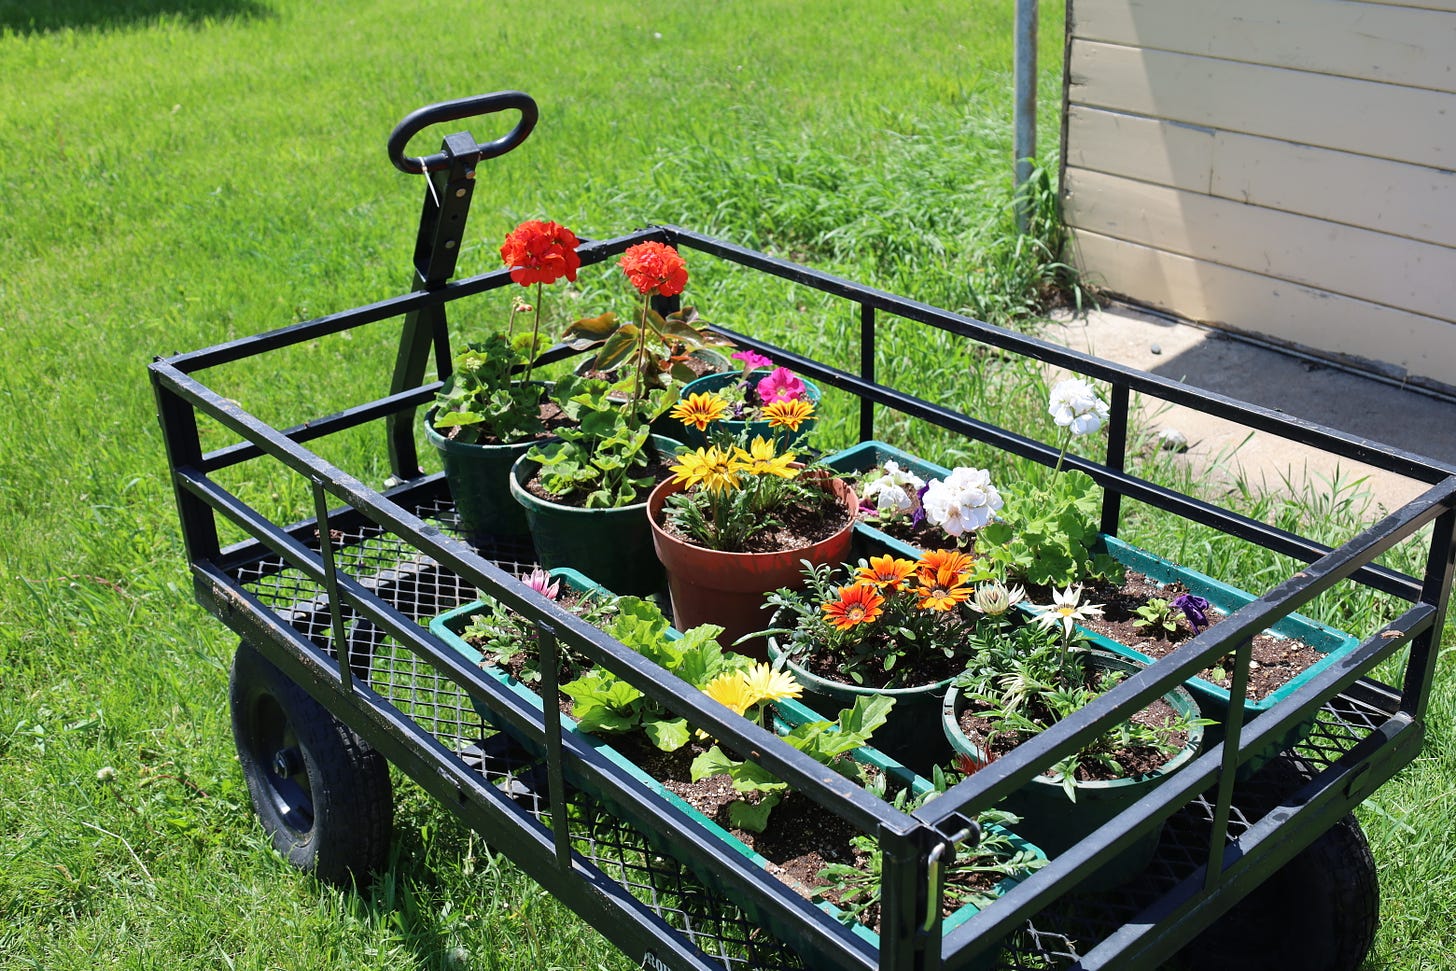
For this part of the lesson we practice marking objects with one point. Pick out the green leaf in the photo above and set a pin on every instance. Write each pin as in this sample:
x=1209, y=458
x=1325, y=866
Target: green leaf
x=667, y=734
x=752, y=818
x=712, y=762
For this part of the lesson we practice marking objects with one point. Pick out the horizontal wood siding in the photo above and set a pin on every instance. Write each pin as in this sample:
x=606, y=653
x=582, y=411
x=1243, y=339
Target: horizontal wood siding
x=1301, y=317
x=1298, y=153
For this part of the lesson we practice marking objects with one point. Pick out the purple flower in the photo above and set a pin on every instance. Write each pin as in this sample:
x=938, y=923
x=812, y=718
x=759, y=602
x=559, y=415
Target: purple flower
x=1194, y=608
x=751, y=360
x=919, y=515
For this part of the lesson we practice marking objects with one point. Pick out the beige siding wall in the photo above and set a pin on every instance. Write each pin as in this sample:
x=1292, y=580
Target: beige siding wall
x=1281, y=167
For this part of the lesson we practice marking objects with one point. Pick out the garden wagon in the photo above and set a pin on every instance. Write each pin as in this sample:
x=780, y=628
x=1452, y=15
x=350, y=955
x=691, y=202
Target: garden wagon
x=339, y=675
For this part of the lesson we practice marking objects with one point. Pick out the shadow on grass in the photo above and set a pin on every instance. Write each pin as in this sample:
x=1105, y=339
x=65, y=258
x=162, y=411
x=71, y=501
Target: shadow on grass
x=30, y=17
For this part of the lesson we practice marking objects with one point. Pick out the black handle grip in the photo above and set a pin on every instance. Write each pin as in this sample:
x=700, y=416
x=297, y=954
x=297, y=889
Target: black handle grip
x=481, y=104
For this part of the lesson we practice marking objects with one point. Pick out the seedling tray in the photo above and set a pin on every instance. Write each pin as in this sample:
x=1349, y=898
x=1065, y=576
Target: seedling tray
x=338, y=596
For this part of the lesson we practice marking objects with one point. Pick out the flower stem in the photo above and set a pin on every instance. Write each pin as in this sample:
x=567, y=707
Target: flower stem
x=535, y=329
x=1066, y=441
x=641, y=352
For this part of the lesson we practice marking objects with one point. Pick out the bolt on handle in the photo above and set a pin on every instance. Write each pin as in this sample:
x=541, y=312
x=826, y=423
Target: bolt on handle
x=481, y=104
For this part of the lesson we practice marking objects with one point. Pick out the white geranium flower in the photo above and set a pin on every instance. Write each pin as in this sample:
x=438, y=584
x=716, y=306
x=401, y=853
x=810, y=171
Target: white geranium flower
x=894, y=492
x=964, y=501
x=1074, y=404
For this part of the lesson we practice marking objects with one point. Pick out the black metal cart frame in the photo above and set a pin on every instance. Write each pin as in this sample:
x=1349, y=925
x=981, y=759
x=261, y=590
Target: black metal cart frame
x=337, y=602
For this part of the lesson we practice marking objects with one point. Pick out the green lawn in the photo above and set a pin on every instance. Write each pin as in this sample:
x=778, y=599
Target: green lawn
x=174, y=174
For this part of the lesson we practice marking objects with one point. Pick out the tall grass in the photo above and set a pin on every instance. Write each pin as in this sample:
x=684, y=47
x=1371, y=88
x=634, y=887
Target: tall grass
x=180, y=173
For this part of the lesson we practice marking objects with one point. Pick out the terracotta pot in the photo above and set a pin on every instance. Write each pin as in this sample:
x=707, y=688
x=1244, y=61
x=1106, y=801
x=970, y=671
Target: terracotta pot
x=727, y=589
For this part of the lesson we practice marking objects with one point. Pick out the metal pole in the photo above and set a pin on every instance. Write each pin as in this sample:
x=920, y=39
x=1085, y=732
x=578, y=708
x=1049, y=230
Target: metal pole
x=1024, y=146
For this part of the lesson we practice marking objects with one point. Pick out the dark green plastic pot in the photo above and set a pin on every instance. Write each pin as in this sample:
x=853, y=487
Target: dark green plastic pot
x=1055, y=822
x=479, y=478
x=611, y=546
x=908, y=737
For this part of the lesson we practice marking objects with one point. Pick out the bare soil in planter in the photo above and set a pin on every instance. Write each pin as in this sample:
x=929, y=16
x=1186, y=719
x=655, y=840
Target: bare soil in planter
x=921, y=535
x=1276, y=660
x=1135, y=760
x=931, y=669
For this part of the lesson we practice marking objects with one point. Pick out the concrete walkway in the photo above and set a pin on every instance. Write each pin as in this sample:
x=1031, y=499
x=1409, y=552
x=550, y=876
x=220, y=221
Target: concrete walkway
x=1410, y=420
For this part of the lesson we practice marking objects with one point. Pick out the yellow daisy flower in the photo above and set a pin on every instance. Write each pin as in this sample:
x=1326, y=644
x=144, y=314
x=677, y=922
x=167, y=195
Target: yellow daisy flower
x=711, y=467
x=788, y=414
x=760, y=459
x=766, y=684
x=700, y=409
x=731, y=691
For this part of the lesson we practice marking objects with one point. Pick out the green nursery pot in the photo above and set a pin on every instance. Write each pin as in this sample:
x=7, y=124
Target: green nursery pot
x=784, y=438
x=613, y=547
x=909, y=736
x=479, y=479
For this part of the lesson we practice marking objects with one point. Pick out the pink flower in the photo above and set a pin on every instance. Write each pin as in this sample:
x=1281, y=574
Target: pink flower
x=540, y=581
x=751, y=360
x=781, y=385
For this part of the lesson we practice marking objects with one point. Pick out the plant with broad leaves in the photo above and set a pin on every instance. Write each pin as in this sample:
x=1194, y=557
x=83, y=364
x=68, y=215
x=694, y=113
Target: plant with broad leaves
x=606, y=703
x=671, y=341
x=602, y=457
x=1157, y=617
x=827, y=742
x=482, y=402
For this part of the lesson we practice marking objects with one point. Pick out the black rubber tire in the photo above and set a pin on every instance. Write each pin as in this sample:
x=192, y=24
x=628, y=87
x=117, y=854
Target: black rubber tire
x=1318, y=912
x=322, y=793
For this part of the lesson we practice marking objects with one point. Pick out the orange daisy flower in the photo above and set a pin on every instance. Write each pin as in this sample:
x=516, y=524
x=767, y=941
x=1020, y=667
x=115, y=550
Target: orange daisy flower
x=857, y=604
x=942, y=591
x=932, y=562
x=886, y=572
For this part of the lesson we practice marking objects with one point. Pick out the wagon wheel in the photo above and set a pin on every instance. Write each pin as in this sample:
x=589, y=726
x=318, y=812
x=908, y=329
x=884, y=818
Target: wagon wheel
x=323, y=795
x=1318, y=911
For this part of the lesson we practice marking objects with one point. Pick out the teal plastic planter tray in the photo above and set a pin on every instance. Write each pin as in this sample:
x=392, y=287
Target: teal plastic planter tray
x=1213, y=700
x=449, y=627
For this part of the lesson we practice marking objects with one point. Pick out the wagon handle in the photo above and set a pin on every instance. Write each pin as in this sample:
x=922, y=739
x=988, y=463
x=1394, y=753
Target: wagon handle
x=481, y=104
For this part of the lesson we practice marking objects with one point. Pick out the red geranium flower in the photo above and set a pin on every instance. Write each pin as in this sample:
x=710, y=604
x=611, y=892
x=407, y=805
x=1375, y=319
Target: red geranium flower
x=655, y=267
x=541, y=252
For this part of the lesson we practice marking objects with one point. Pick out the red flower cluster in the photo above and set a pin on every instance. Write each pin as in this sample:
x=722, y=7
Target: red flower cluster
x=540, y=252
x=655, y=266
